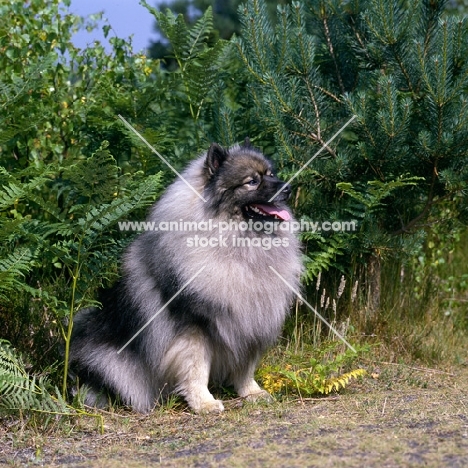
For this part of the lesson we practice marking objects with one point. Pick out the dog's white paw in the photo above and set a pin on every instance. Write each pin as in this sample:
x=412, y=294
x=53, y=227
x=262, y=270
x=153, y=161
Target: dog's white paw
x=251, y=391
x=212, y=406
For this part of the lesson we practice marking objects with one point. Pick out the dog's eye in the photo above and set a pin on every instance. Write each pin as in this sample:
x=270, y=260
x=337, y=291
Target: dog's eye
x=253, y=182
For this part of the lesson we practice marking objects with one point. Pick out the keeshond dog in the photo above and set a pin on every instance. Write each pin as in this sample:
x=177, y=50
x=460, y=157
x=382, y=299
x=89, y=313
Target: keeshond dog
x=195, y=307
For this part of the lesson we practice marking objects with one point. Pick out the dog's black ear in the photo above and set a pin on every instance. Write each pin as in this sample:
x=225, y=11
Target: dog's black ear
x=215, y=157
x=247, y=143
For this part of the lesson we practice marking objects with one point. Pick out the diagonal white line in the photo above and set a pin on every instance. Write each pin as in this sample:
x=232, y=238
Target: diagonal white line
x=298, y=294
x=161, y=309
x=312, y=158
x=142, y=138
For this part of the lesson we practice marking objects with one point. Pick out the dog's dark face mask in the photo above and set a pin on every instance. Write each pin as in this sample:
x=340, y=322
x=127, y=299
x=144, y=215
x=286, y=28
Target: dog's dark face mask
x=241, y=183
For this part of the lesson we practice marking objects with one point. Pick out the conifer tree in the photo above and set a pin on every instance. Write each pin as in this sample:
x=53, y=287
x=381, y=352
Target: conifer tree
x=399, y=66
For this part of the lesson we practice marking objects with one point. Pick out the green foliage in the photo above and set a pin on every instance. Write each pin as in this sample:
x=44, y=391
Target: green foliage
x=225, y=20
x=197, y=59
x=79, y=238
x=12, y=271
x=24, y=394
x=321, y=255
x=20, y=391
x=401, y=70
x=62, y=190
x=310, y=373
x=373, y=197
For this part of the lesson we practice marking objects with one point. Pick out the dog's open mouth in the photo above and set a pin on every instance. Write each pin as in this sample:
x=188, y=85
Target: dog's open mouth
x=266, y=212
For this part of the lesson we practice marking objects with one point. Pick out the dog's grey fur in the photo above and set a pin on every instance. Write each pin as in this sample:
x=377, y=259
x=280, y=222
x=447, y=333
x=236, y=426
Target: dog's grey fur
x=217, y=329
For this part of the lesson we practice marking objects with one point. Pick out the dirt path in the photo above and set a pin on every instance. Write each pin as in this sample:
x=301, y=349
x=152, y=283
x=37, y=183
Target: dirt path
x=405, y=417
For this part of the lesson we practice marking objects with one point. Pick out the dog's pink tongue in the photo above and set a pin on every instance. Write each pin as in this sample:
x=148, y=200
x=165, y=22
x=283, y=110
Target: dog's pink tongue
x=273, y=210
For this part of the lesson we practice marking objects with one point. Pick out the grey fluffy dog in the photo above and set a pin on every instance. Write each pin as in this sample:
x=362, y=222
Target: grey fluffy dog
x=214, y=329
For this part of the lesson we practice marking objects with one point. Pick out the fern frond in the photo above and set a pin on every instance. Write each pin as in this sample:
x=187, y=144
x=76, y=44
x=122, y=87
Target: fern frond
x=12, y=268
x=47, y=207
x=199, y=33
x=102, y=217
x=186, y=43
x=324, y=257
x=94, y=178
x=197, y=59
x=9, y=227
x=10, y=194
x=20, y=391
x=341, y=381
x=13, y=190
x=372, y=196
x=173, y=27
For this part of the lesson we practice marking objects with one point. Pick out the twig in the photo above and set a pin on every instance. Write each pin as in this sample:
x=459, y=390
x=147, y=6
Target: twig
x=384, y=405
x=109, y=413
x=301, y=400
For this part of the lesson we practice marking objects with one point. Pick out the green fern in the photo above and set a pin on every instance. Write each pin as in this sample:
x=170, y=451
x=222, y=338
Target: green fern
x=13, y=267
x=102, y=217
x=376, y=191
x=13, y=189
x=324, y=254
x=15, y=261
x=196, y=57
x=66, y=215
x=94, y=178
x=321, y=371
x=20, y=391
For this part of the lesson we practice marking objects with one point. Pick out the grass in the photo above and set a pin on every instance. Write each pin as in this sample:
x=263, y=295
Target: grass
x=401, y=417
x=423, y=316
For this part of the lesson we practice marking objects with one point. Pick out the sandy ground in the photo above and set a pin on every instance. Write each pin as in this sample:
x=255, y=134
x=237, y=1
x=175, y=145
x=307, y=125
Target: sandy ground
x=405, y=417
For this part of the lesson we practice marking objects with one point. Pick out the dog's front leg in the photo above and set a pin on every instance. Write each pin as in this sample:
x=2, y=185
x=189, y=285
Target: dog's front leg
x=246, y=387
x=187, y=366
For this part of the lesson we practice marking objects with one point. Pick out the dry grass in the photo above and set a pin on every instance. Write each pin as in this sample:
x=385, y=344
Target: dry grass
x=404, y=416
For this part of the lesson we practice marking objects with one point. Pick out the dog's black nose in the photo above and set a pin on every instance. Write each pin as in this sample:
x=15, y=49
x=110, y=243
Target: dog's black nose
x=286, y=190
